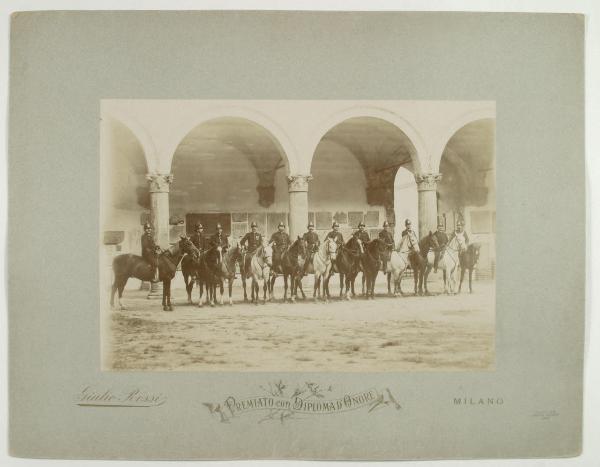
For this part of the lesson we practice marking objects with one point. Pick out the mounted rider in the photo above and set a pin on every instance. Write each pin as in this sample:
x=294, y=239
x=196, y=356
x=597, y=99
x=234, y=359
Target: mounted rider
x=150, y=250
x=220, y=239
x=442, y=239
x=251, y=241
x=460, y=233
x=312, y=244
x=198, y=238
x=362, y=234
x=387, y=237
x=408, y=231
x=280, y=241
x=336, y=235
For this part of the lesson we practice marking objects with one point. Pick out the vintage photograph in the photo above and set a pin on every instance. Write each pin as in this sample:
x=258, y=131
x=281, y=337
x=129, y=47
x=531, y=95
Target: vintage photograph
x=312, y=235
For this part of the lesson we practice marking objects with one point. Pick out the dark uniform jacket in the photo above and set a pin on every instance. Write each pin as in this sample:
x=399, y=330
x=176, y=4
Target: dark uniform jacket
x=148, y=248
x=337, y=237
x=312, y=240
x=388, y=239
x=281, y=240
x=220, y=239
x=362, y=236
x=252, y=241
x=442, y=238
x=199, y=241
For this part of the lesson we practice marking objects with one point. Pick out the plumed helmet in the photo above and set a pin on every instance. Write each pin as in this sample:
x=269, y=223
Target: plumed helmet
x=311, y=224
x=254, y=224
x=199, y=226
x=386, y=224
x=361, y=224
x=335, y=224
x=407, y=222
x=460, y=222
x=281, y=224
x=147, y=226
x=219, y=226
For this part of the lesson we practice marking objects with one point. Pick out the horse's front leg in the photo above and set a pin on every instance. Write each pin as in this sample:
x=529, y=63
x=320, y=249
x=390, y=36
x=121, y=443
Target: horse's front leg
x=389, y=283
x=168, y=286
x=230, y=288
x=222, y=291
x=462, y=276
x=470, y=278
x=363, y=283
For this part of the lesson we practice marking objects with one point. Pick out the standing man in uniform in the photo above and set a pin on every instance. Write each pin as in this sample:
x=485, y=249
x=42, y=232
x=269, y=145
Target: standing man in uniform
x=280, y=241
x=198, y=238
x=387, y=238
x=252, y=240
x=220, y=239
x=442, y=240
x=312, y=244
x=150, y=250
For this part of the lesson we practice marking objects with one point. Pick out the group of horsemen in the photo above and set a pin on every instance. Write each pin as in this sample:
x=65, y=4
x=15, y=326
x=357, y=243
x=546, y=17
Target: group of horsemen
x=280, y=241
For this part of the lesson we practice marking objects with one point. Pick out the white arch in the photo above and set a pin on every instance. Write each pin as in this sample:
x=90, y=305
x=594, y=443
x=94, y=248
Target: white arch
x=147, y=143
x=466, y=118
x=418, y=159
x=274, y=130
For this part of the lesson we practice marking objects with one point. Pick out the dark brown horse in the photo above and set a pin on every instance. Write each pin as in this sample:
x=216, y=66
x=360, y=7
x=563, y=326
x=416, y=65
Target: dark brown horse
x=468, y=260
x=202, y=268
x=289, y=264
x=371, y=262
x=428, y=246
x=347, y=264
x=129, y=265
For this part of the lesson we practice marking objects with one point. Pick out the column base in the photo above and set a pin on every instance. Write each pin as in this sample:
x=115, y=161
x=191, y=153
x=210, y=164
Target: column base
x=156, y=290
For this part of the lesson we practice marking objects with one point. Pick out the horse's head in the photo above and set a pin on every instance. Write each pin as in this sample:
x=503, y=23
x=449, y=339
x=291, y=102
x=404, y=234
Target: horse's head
x=302, y=246
x=460, y=241
x=219, y=254
x=433, y=241
x=186, y=245
x=267, y=254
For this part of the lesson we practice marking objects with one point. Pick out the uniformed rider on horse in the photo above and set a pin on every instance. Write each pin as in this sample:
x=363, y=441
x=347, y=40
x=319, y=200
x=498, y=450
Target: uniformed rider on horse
x=388, y=239
x=408, y=231
x=336, y=235
x=312, y=244
x=150, y=250
x=220, y=239
x=280, y=241
x=251, y=241
x=442, y=239
x=362, y=234
x=198, y=238
x=461, y=234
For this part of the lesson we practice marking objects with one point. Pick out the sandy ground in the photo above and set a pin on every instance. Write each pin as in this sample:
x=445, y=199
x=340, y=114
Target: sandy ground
x=409, y=333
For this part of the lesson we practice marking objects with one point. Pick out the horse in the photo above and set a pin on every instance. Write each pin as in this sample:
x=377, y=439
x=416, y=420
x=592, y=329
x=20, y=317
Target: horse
x=210, y=273
x=190, y=268
x=371, y=264
x=290, y=264
x=260, y=269
x=428, y=245
x=129, y=265
x=232, y=256
x=321, y=265
x=449, y=262
x=399, y=263
x=347, y=263
x=468, y=260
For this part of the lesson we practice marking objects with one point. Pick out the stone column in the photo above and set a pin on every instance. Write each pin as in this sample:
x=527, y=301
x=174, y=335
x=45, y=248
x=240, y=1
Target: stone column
x=298, y=194
x=427, y=188
x=159, y=215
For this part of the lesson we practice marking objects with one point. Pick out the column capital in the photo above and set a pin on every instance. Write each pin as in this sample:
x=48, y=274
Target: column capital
x=427, y=182
x=159, y=183
x=298, y=182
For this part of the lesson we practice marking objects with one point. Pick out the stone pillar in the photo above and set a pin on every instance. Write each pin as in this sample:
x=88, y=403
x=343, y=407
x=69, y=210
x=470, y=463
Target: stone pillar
x=298, y=194
x=159, y=216
x=427, y=188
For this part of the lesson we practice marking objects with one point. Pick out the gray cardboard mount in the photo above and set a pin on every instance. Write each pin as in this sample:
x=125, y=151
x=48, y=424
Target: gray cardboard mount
x=63, y=63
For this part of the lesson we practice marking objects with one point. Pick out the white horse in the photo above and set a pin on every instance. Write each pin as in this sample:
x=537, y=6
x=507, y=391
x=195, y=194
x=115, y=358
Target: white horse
x=450, y=261
x=321, y=267
x=260, y=269
x=400, y=261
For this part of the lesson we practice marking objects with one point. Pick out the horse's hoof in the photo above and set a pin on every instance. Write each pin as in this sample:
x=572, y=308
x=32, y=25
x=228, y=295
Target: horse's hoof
x=165, y=308
x=170, y=308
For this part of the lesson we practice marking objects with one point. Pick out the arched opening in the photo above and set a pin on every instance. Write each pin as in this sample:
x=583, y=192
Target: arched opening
x=125, y=188
x=232, y=171
x=406, y=200
x=354, y=169
x=467, y=190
